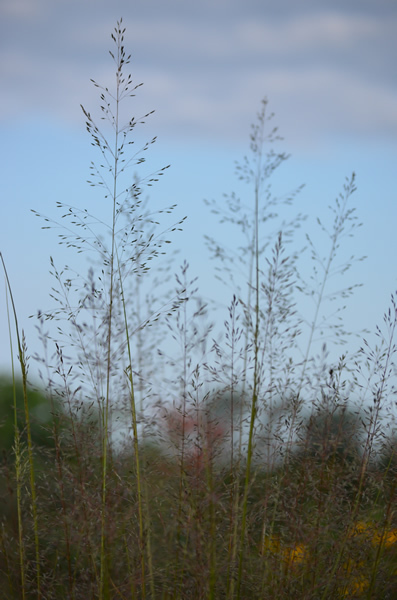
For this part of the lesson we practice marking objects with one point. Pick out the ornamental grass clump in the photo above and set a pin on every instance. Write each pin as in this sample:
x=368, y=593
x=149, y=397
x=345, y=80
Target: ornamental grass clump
x=167, y=457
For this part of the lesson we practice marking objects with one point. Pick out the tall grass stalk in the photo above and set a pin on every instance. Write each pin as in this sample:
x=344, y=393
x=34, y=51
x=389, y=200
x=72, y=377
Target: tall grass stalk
x=144, y=534
x=385, y=356
x=122, y=90
x=344, y=224
x=23, y=366
x=18, y=460
x=254, y=399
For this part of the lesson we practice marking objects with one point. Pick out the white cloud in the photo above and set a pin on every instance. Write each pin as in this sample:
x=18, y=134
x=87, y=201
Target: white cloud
x=207, y=78
x=21, y=8
x=320, y=32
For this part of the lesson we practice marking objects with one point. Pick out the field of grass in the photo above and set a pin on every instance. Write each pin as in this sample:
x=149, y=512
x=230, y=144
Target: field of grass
x=158, y=460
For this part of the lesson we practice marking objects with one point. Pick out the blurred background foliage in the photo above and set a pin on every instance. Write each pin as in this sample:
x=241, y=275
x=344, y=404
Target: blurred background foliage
x=41, y=410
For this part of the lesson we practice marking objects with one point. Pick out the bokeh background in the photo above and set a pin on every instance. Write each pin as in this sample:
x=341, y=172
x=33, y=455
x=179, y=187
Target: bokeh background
x=327, y=69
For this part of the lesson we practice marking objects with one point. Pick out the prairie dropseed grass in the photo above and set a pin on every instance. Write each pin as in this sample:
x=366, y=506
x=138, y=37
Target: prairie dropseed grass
x=174, y=463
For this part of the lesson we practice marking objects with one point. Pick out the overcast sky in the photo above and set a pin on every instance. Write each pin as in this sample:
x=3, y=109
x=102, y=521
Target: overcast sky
x=327, y=68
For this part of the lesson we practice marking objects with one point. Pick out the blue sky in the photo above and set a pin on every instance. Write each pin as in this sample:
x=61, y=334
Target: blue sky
x=327, y=69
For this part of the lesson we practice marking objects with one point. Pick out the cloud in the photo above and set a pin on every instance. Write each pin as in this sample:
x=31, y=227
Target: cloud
x=323, y=71
x=323, y=32
x=310, y=103
x=21, y=9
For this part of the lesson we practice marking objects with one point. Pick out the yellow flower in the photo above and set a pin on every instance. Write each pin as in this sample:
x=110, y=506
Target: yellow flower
x=390, y=538
x=357, y=586
x=369, y=531
x=291, y=555
x=296, y=555
x=363, y=529
x=357, y=582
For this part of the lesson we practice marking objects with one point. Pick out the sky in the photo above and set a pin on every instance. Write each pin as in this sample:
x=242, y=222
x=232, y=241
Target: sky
x=327, y=69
